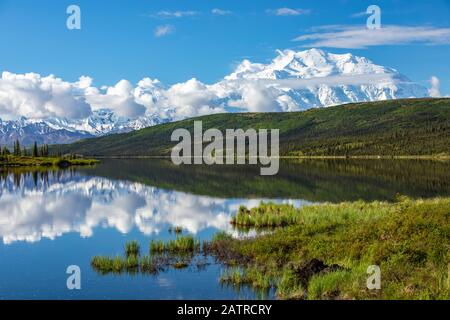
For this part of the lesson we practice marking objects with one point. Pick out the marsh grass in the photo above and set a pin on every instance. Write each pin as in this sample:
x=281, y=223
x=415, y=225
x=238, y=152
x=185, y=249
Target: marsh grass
x=251, y=277
x=149, y=264
x=177, y=253
x=408, y=239
x=182, y=244
x=267, y=215
x=132, y=248
x=176, y=230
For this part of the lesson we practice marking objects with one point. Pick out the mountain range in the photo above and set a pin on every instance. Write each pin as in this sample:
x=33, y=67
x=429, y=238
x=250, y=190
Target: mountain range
x=293, y=81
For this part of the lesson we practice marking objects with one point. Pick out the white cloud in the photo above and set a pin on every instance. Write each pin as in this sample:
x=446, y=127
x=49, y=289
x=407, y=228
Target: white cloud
x=191, y=98
x=221, y=12
x=32, y=96
x=164, y=30
x=257, y=98
x=435, y=91
x=288, y=12
x=119, y=98
x=357, y=37
x=165, y=14
x=359, y=14
x=82, y=205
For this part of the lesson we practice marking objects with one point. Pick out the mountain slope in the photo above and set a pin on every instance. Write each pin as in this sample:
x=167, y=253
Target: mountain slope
x=400, y=128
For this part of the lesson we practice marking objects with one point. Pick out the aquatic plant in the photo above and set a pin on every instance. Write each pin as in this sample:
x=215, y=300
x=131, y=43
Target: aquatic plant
x=132, y=262
x=132, y=248
x=148, y=264
x=251, y=277
x=179, y=245
x=102, y=264
x=266, y=215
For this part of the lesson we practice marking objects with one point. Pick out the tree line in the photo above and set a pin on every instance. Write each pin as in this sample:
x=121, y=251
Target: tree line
x=34, y=151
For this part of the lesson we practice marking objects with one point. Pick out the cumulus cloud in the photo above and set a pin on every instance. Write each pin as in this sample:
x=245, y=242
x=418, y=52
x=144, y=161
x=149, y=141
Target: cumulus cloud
x=32, y=96
x=435, y=91
x=164, y=30
x=119, y=98
x=288, y=11
x=192, y=98
x=257, y=98
x=359, y=37
x=36, y=97
x=221, y=12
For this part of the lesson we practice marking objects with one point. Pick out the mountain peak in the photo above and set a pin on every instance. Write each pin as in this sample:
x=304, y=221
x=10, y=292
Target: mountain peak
x=311, y=63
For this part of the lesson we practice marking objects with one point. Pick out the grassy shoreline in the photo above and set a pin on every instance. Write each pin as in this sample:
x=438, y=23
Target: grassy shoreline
x=22, y=161
x=318, y=252
x=325, y=250
x=444, y=157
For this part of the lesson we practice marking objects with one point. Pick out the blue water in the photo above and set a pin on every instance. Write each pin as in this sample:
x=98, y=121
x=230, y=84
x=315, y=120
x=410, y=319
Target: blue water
x=53, y=219
x=64, y=218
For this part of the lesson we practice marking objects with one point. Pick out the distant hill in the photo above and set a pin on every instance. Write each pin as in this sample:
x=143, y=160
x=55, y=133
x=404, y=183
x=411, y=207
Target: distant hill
x=411, y=127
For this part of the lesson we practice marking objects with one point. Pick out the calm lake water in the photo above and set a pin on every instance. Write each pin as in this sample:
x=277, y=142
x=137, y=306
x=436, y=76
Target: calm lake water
x=52, y=219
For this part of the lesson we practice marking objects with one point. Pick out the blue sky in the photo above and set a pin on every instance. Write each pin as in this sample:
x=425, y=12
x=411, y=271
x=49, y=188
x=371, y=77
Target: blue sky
x=117, y=39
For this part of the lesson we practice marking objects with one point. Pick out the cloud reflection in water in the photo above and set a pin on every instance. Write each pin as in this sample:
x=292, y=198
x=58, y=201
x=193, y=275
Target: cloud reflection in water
x=51, y=204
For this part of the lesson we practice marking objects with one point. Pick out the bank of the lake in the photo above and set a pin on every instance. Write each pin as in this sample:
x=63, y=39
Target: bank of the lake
x=324, y=251
x=23, y=161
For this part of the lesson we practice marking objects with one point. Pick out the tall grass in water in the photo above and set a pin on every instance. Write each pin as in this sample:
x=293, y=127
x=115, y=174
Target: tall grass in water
x=132, y=248
x=251, y=277
x=182, y=244
x=266, y=215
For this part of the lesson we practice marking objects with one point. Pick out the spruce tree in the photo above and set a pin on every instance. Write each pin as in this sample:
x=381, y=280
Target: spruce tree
x=35, y=150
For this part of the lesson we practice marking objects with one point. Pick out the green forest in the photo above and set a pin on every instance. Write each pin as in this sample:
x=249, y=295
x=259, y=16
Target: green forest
x=411, y=127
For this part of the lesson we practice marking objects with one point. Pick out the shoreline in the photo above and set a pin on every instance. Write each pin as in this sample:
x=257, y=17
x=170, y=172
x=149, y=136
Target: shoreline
x=23, y=162
x=323, y=251
x=368, y=157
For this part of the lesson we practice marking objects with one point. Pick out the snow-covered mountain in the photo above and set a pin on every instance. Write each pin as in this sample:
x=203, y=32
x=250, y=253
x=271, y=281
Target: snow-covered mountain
x=315, y=78
x=292, y=81
x=57, y=131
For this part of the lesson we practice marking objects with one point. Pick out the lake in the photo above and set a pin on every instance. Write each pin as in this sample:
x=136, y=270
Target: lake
x=51, y=219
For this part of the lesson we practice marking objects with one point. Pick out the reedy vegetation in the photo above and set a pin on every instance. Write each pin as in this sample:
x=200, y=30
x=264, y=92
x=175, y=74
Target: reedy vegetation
x=408, y=239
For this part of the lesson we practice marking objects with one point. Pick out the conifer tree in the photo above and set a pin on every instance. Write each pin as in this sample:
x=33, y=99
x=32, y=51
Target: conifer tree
x=35, y=150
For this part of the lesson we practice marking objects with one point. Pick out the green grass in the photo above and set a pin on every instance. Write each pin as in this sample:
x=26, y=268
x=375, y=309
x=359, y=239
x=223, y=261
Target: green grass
x=132, y=248
x=408, y=239
x=246, y=277
x=410, y=127
x=182, y=244
x=266, y=215
x=21, y=161
x=177, y=253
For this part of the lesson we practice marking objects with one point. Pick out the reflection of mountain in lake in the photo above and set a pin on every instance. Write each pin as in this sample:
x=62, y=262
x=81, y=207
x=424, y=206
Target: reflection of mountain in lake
x=49, y=204
x=312, y=180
